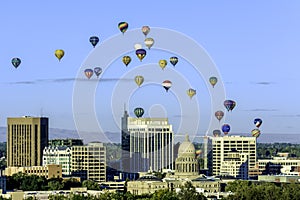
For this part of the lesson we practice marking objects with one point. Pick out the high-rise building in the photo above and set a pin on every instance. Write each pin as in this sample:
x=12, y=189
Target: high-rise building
x=244, y=149
x=89, y=161
x=147, y=144
x=26, y=139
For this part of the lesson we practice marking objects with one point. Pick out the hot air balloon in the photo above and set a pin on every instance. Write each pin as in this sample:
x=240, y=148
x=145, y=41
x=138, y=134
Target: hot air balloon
x=257, y=122
x=126, y=60
x=219, y=114
x=139, y=80
x=16, y=62
x=213, y=81
x=145, y=30
x=149, y=42
x=123, y=26
x=59, y=53
x=226, y=129
x=174, y=60
x=255, y=133
x=138, y=46
x=191, y=92
x=167, y=85
x=140, y=53
x=162, y=63
x=88, y=73
x=97, y=71
x=229, y=104
x=216, y=133
x=138, y=112
x=94, y=40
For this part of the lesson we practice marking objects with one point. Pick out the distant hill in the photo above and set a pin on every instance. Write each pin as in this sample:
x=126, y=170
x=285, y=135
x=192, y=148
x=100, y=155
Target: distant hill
x=112, y=137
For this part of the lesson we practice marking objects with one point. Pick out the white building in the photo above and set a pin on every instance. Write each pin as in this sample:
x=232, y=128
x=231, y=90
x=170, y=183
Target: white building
x=222, y=147
x=287, y=166
x=60, y=156
x=235, y=164
x=149, y=142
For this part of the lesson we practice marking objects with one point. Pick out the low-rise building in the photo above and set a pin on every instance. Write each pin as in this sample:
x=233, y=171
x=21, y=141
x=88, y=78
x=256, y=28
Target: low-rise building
x=48, y=171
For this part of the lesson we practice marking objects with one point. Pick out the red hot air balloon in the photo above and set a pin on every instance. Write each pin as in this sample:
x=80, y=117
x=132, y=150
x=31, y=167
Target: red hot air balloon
x=167, y=85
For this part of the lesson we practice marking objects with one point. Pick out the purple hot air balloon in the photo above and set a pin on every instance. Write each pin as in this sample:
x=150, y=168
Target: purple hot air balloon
x=229, y=104
x=226, y=129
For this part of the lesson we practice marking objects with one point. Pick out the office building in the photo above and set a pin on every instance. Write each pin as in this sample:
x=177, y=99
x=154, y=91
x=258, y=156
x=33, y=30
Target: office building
x=60, y=156
x=279, y=165
x=89, y=161
x=233, y=149
x=26, y=139
x=147, y=143
x=68, y=142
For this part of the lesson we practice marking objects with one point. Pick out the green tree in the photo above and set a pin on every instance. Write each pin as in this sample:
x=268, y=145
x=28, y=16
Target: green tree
x=91, y=185
x=55, y=184
x=164, y=195
x=70, y=183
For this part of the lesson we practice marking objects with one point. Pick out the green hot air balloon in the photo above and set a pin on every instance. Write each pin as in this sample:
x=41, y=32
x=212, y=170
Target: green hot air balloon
x=16, y=62
x=138, y=112
x=213, y=81
x=126, y=60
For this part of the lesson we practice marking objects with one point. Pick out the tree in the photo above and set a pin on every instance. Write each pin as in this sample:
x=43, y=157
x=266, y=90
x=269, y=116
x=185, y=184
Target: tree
x=55, y=184
x=90, y=185
x=164, y=195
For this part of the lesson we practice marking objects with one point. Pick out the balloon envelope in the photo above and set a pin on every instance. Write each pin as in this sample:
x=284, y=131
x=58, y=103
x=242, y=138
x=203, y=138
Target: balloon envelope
x=145, y=30
x=149, y=42
x=59, y=53
x=138, y=112
x=213, y=81
x=255, y=133
x=123, y=26
x=191, y=92
x=216, y=133
x=140, y=53
x=162, y=63
x=138, y=46
x=219, y=114
x=126, y=60
x=97, y=71
x=139, y=80
x=94, y=40
x=229, y=104
x=167, y=85
x=174, y=60
x=257, y=122
x=16, y=62
x=226, y=129
x=88, y=73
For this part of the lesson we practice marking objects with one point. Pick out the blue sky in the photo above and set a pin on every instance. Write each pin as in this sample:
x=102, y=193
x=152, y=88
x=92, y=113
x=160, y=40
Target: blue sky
x=255, y=46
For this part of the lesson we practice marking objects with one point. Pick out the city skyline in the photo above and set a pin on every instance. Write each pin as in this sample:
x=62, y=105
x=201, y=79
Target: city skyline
x=253, y=45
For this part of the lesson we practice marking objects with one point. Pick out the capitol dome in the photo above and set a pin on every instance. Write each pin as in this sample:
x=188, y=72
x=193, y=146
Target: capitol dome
x=186, y=165
x=186, y=147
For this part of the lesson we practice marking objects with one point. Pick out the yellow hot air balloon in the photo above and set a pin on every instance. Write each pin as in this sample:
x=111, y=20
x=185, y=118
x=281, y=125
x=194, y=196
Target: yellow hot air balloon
x=59, y=53
x=191, y=92
x=162, y=63
x=126, y=60
x=139, y=80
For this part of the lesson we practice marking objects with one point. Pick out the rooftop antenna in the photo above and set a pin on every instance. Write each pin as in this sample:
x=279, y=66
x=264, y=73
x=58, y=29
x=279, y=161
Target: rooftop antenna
x=42, y=112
